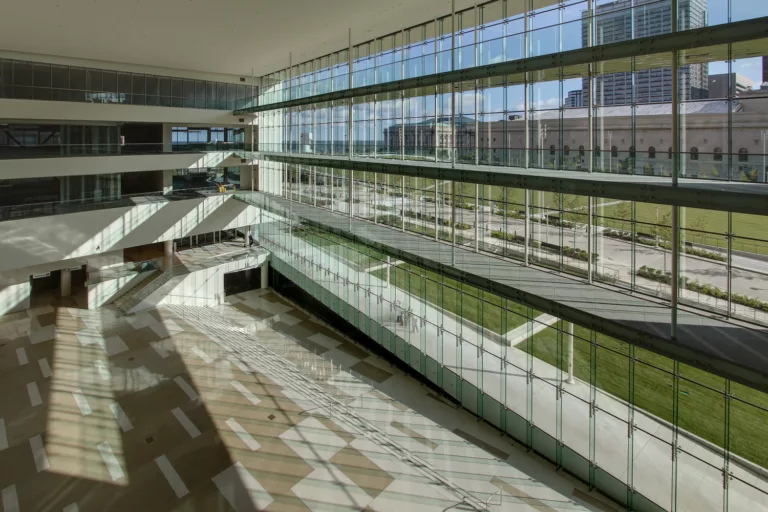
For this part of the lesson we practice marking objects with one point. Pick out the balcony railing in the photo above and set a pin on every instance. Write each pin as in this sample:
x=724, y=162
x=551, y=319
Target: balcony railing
x=63, y=150
x=24, y=211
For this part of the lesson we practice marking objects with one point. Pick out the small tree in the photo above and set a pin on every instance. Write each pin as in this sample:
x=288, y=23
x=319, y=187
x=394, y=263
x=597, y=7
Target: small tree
x=663, y=231
x=623, y=212
x=749, y=175
x=570, y=207
x=700, y=223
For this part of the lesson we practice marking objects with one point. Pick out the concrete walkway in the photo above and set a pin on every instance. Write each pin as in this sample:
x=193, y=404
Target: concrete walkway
x=502, y=372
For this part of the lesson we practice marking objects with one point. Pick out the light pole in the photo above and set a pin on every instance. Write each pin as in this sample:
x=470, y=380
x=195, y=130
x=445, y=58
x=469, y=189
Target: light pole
x=543, y=136
x=764, y=138
x=610, y=148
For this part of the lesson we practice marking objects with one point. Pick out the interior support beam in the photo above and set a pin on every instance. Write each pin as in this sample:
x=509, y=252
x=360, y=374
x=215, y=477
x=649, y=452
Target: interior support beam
x=737, y=197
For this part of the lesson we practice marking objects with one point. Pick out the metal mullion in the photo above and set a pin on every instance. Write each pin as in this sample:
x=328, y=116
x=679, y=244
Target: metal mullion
x=739, y=31
x=631, y=427
x=726, y=470
x=592, y=409
x=675, y=433
x=529, y=377
x=729, y=263
x=559, y=396
x=477, y=124
x=453, y=84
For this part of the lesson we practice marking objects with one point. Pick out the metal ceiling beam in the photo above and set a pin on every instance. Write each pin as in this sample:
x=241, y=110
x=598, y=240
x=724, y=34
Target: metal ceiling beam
x=739, y=31
x=737, y=197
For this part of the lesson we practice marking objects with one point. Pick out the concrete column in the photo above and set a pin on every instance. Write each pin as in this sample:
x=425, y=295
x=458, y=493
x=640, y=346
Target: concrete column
x=389, y=265
x=570, y=354
x=246, y=234
x=167, y=254
x=265, y=275
x=167, y=181
x=66, y=283
x=167, y=138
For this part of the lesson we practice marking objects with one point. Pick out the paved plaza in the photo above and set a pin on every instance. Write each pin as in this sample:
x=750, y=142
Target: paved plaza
x=163, y=411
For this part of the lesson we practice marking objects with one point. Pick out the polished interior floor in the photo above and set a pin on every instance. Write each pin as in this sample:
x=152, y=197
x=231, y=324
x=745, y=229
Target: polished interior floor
x=167, y=411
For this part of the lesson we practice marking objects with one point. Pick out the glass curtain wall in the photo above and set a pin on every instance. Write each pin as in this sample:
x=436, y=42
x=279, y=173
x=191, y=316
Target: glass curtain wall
x=41, y=81
x=543, y=119
x=646, y=430
x=721, y=258
x=500, y=31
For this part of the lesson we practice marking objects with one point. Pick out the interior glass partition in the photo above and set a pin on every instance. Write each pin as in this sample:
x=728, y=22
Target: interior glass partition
x=42, y=81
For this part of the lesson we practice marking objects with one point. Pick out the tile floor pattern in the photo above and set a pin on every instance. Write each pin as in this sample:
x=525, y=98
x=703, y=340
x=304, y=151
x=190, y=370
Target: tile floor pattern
x=143, y=413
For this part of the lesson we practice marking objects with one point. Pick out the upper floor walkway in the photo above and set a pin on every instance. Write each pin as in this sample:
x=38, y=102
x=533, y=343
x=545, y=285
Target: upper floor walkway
x=730, y=349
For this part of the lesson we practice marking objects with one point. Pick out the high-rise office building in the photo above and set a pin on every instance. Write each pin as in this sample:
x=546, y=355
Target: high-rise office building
x=626, y=20
x=719, y=84
x=366, y=255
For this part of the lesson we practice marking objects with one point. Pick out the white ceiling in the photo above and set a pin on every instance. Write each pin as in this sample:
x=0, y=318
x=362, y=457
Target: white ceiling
x=218, y=36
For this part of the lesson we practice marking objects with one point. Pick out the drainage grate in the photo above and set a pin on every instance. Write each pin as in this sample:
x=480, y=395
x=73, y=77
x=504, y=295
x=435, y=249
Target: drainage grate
x=149, y=440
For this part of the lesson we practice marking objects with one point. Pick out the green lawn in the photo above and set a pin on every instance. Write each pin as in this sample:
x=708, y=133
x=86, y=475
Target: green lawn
x=713, y=222
x=359, y=255
x=701, y=409
x=443, y=291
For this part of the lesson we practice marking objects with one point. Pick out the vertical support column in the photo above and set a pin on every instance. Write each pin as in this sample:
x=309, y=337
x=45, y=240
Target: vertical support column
x=571, y=379
x=402, y=102
x=349, y=108
x=729, y=263
x=167, y=181
x=264, y=275
x=477, y=123
x=526, y=117
x=349, y=196
x=375, y=144
x=435, y=134
x=590, y=92
x=375, y=193
x=590, y=245
x=675, y=282
x=246, y=235
x=453, y=85
x=389, y=266
x=402, y=202
x=437, y=199
x=453, y=223
x=477, y=219
x=66, y=282
x=527, y=228
x=290, y=96
x=402, y=125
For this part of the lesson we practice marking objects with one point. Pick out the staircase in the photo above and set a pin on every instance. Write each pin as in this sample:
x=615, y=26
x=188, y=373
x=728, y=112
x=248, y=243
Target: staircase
x=141, y=291
x=135, y=284
x=237, y=341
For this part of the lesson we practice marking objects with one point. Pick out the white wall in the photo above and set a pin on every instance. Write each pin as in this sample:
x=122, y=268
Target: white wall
x=107, y=291
x=71, y=112
x=122, y=66
x=200, y=288
x=41, y=240
x=14, y=296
